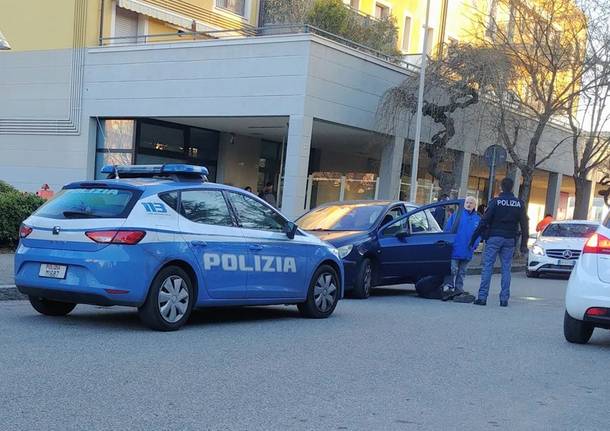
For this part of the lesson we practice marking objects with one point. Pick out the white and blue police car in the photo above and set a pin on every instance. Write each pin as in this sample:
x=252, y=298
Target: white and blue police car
x=163, y=239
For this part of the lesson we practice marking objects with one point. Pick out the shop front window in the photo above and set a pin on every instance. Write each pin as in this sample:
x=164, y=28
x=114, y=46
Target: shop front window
x=114, y=143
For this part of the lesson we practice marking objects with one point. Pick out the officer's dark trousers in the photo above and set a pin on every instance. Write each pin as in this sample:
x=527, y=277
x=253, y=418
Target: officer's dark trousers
x=505, y=247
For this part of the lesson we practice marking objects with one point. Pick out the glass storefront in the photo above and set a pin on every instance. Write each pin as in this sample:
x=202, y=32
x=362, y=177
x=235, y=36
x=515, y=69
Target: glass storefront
x=146, y=141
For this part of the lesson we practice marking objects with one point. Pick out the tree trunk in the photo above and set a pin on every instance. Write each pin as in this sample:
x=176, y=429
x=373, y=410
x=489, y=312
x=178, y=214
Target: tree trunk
x=581, y=205
x=526, y=186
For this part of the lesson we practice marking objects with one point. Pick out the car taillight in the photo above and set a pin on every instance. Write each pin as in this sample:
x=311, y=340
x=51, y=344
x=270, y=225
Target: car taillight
x=128, y=237
x=597, y=244
x=596, y=311
x=24, y=231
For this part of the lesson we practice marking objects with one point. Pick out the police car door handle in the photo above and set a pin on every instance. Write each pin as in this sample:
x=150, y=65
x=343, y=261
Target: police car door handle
x=441, y=243
x=199, y=243
x=256, y=247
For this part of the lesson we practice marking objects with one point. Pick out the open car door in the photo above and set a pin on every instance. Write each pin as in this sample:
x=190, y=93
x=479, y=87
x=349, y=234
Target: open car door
x=416, y=245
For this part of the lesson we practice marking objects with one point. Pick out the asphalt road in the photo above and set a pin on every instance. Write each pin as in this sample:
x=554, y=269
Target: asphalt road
x=393, y=362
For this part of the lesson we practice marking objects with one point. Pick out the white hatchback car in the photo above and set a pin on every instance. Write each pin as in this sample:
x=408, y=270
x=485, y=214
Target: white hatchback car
x=588, y=292
x=558, y=247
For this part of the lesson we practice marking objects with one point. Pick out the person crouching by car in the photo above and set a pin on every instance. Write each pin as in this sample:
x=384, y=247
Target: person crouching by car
x=462, y=252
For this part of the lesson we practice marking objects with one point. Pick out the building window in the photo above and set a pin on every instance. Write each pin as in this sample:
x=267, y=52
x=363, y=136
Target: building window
x=381, y=11
x=164, y=142
x=125, y=26
x=147, y=141
x=236, y=6
x=406, y=35
x=114, y=144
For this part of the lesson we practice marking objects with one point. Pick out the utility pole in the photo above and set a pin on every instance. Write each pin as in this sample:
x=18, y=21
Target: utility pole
x=420, y=102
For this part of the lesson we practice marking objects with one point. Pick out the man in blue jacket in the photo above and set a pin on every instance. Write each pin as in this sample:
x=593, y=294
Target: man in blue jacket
x=468, y=221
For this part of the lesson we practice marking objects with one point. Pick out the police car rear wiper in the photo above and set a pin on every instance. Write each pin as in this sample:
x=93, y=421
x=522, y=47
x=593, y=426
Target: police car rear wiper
x=77, y=214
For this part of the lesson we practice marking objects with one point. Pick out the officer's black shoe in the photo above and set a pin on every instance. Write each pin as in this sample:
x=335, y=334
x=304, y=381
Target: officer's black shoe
x=503, y=303
x=479, y=302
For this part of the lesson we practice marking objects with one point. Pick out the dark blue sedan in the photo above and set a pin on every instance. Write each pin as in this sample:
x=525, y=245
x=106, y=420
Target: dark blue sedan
x=385, y=242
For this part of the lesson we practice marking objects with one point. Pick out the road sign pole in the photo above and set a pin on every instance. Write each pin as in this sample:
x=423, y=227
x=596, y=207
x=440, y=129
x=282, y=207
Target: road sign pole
x=492, y=176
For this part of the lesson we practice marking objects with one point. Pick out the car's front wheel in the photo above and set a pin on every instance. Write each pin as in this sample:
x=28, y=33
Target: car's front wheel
x=364, y=280
x=170, y=300
x=322, y=295
x=51, y=308
x=576, y=331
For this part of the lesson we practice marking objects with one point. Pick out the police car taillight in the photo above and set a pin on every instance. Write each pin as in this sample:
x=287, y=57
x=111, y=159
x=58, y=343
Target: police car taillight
x=24, y=231
x=127, y=237
x=597, y=244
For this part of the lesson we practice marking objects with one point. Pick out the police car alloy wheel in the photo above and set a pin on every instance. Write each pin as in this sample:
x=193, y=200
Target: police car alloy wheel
x=173, y=299
x=322, y=295
x=170, y=300
x=51, y=308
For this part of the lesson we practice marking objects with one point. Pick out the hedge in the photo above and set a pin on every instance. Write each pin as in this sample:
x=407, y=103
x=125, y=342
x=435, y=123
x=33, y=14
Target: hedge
x=14, y=208
x=334, y=17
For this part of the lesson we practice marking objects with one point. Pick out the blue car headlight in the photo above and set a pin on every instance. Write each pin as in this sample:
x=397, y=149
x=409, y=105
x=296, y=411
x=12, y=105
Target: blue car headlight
x=345, y=250
x=334, y=251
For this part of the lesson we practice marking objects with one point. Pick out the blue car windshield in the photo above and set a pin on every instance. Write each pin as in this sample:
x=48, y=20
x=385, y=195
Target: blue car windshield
x=87, y=203
x=341, y=217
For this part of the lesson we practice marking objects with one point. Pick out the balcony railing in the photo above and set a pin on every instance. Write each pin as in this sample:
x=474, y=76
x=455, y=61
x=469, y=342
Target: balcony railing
x=270, y=30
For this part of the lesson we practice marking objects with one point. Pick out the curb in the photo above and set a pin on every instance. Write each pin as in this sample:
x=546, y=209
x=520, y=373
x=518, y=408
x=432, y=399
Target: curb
x=497, y=269
x=10, y=293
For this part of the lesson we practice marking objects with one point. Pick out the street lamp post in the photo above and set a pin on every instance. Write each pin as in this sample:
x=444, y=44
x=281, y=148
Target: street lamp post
x=420, y=102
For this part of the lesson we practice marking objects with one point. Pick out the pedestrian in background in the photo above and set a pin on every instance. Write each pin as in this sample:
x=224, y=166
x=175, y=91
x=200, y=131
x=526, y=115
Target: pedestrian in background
x=248, y=189
x=267, y=195
x=499, y=227
x=467, y=223
x=547, y=220
x=439, y=212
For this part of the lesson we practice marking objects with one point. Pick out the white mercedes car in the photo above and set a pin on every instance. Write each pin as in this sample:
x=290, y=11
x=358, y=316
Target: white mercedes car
x=588, y=292
x=558, y=247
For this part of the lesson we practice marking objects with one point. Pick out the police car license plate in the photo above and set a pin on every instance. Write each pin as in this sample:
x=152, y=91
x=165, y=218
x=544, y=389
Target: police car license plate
x=565, y=262
x=49, y=270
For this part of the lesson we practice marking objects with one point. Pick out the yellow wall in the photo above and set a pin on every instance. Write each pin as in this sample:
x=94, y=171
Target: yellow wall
x=49, y=24
x=26, y=24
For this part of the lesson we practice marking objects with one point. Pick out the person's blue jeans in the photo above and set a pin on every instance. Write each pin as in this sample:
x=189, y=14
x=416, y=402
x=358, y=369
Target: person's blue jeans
x=458, y=272
x=505, y=247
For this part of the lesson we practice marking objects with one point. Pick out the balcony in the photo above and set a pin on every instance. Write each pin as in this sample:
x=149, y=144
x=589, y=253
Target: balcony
x=405, y=62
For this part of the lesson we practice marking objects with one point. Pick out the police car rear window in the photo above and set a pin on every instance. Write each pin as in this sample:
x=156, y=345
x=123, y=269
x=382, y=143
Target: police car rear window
x=85, y=203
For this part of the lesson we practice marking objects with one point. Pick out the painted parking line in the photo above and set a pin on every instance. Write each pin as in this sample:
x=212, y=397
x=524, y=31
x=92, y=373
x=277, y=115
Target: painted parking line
x=7, y=286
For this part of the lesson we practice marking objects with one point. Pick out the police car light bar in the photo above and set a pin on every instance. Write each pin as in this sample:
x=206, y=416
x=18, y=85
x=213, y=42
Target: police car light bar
x=177, y=169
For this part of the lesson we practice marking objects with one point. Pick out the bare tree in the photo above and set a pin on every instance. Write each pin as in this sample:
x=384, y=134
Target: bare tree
x=453, y=83
x=589, y=114
x=545, y=44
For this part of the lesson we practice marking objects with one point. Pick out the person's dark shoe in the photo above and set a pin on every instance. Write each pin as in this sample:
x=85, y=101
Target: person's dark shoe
x=503, y=303
x=464, y=298
x=448, y=295
x=480, y=302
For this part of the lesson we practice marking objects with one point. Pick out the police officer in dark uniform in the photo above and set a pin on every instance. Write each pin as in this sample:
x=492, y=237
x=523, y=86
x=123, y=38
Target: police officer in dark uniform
x=500, y=227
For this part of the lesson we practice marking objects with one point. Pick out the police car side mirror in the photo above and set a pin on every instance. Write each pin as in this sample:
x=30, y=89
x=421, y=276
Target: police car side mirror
x=290, y=229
